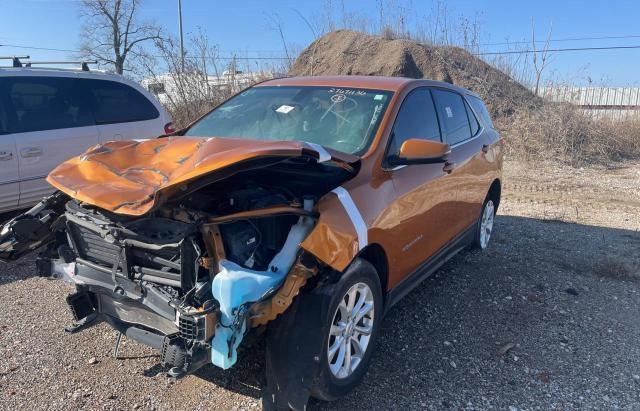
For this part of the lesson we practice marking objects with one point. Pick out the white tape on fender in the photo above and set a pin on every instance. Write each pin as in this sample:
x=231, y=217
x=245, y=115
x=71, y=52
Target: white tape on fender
x=323, y=155
x=354, y=215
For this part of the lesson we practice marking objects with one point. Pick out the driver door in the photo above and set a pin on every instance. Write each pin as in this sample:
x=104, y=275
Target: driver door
x=425, y=193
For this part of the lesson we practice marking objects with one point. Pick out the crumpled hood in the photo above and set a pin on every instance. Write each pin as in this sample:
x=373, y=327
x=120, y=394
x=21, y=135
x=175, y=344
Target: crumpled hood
x=130, y=177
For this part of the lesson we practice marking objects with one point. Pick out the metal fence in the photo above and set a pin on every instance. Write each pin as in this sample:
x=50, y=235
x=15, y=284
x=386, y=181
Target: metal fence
x=612, y=102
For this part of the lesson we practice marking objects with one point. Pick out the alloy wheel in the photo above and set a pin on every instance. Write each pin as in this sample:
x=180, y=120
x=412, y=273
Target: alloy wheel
x=486, y=224
x=351, y=330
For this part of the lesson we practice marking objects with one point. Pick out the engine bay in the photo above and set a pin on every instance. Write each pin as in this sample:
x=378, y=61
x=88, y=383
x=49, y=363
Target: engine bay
x=190, y=278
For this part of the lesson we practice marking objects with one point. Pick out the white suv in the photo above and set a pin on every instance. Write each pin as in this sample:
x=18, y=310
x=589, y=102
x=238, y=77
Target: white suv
x=50, y=115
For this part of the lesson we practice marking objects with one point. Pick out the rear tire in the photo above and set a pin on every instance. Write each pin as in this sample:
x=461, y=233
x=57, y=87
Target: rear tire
x=484, y=226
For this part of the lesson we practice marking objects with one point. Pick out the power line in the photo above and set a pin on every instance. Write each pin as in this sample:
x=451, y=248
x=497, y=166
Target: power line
x=556, y=50
x=488, y=53
x=186, y=57
x=233, y=57
x=506, y=43
x=38, y=48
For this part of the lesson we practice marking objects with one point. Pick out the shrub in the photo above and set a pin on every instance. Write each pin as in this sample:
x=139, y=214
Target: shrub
x=564, y=132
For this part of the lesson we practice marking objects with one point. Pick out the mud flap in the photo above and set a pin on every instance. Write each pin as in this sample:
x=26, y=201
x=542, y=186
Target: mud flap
x=32, y=229
x=293, y=352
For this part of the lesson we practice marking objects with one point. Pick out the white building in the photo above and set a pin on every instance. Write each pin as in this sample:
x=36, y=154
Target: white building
x=616, y=102
x=195, y=86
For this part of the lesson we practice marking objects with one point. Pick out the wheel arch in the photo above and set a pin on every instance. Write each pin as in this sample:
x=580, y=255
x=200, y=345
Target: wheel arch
x=495, y=192
x=375, y=255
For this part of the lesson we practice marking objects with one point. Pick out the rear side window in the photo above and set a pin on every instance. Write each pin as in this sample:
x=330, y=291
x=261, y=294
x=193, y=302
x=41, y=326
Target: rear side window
x=473, y=121
x=43, y=103
x=416, y=119
x=453, y=116
x=114, y=102
x=482, y=111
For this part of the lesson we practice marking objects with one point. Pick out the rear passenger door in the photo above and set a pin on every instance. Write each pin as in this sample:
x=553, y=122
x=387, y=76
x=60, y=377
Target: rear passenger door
x=460, y=130
x=51, y=124
x=425, y=193
x=122, y=112
x=9, y=178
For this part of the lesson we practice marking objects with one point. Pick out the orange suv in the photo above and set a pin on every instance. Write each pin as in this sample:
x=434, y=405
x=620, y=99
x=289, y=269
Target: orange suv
x=300, y=209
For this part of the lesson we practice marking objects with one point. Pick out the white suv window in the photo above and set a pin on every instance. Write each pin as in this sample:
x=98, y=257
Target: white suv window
x=43, y=103
x=4, y=120
x=117, y=103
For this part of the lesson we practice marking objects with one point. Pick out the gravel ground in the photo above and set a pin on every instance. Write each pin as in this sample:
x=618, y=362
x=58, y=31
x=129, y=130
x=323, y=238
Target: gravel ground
x=546, y=318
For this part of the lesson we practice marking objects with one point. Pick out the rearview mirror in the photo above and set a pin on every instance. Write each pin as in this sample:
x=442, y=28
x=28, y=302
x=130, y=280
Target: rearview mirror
x=417, y=151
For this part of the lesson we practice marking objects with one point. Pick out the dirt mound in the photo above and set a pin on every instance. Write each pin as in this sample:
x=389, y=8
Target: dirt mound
x=349, y=52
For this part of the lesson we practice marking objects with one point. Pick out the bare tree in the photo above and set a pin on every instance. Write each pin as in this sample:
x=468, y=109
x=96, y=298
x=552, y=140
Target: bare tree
x=206, y=80
x=112, y=31
x=540, y=57
x=314, y=32
x=276, y=25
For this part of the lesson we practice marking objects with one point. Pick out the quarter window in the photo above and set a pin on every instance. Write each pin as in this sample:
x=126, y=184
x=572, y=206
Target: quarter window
x=118, y=103
x=482, y=111
x=416, y=119
x=43, y=103
x=473, y=121
x=453, y=116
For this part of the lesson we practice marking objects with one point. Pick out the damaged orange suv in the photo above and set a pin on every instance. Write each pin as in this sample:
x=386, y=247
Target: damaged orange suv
x=300, y=209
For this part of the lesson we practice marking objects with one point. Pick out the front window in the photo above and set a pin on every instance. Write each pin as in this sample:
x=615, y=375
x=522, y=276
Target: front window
x=345, y=119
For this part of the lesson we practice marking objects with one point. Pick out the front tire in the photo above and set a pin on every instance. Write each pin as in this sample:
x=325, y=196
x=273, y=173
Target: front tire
x=352, y=322
x=297, y=343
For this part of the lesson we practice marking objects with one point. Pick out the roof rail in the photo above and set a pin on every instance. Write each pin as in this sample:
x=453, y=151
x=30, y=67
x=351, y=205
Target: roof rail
x=15, y=59
x=83, y=64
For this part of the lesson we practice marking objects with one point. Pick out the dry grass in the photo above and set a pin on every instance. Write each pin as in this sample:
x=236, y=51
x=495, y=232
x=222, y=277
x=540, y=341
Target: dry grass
x=563, y=132
x=183, y=112
x=194, y=88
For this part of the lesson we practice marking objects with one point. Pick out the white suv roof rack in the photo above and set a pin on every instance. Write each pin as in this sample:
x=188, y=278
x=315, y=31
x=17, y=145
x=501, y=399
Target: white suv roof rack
x=15, y=59
x=84, y=65
x=17, y=63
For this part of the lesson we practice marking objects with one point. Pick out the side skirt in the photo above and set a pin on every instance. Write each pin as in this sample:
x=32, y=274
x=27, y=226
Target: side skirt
x=430, y=266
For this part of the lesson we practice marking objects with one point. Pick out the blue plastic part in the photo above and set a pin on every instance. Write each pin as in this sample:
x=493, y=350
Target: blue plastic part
x=235, y=286
x=220, y=345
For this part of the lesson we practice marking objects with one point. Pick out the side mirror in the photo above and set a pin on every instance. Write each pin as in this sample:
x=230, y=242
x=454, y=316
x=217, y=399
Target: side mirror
x=417, y=151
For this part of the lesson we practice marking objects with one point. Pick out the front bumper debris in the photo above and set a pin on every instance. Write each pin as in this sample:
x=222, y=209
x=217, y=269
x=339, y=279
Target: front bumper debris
x=147, y=278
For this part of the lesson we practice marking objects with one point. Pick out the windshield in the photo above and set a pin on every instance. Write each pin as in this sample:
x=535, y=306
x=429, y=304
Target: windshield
x=344, y=119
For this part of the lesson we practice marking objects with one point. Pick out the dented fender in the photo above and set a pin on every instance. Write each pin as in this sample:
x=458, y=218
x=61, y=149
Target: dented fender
x=340, y=232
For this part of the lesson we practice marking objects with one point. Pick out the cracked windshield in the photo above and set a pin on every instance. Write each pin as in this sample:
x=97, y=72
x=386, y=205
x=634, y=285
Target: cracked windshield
x=344, y=119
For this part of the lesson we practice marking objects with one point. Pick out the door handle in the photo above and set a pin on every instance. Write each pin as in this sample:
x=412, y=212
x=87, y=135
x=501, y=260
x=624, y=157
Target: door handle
x=448, y=167
x=485, y=148
x=31, y=152
x=6, y=155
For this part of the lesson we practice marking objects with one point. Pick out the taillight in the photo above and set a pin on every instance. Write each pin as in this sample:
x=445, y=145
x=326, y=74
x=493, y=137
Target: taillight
x=169, y=129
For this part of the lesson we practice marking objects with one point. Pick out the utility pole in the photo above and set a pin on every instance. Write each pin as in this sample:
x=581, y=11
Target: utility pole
x=181, y=36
